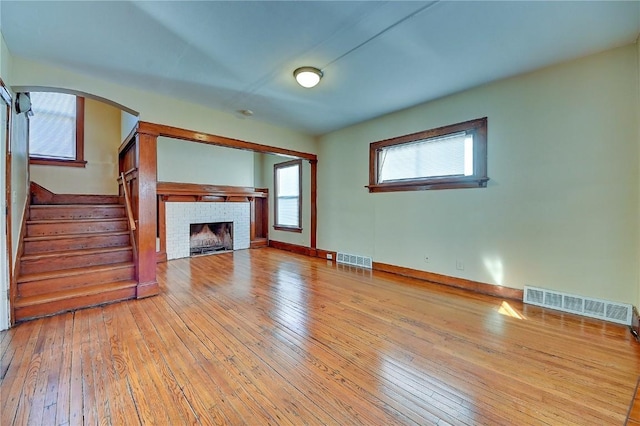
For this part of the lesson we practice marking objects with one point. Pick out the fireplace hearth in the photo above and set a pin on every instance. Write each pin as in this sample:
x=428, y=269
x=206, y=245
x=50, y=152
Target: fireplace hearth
x=209, y=238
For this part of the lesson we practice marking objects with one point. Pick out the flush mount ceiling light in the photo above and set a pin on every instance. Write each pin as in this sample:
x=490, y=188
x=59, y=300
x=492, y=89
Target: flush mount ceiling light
x=307, y=76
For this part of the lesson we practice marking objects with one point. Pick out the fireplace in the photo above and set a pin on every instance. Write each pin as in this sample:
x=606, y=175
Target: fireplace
x=207, y=238
x=179, y=216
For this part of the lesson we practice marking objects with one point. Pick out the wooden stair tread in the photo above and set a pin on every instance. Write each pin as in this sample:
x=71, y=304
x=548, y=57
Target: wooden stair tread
x=71, y=293
x=71, y=272
x=67, y=236
x=81, y=206
x=78, y=252
x=58, y=221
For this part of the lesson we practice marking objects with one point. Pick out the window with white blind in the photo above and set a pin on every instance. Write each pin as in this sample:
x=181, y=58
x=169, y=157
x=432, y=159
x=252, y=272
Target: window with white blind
x=56, y=129
x=452, y=156
x=288, y=196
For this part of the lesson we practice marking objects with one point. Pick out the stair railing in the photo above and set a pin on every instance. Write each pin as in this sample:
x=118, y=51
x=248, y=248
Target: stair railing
x=132, y=222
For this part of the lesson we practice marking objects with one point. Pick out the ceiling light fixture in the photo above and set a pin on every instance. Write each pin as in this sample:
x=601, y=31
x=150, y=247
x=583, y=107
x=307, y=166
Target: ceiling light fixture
x=308, y=77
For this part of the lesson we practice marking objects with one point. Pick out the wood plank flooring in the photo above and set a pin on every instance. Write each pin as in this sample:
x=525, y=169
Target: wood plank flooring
x=265, y=336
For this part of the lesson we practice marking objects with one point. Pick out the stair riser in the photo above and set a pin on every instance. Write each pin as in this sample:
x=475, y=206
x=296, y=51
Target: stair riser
x=62, y=262
x=36, y=311
x=59, y=199
x=43, y=229
x=33, y=288
x=76, y=243
x=89, y=212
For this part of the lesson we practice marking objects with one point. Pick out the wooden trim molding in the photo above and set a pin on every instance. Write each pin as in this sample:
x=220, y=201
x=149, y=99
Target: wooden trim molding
x=635, y=324
x=193, y=136
x=55, y=162
x=475, y=286
x=294, y=248
x=307, y=251
x=314, y=203
x=80, y=129
x=146, y=154
x=287, y=228
x=199, y=192
x=4, y=93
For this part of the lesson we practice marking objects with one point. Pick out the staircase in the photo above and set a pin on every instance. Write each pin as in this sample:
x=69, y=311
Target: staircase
x=75, y=255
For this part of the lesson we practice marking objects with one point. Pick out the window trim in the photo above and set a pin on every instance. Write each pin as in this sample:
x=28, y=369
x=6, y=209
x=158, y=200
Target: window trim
x=477, y=180
x=277, y=226
x=79, y=160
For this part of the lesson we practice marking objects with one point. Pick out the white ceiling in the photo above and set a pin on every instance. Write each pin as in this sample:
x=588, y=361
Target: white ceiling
x=377, y=57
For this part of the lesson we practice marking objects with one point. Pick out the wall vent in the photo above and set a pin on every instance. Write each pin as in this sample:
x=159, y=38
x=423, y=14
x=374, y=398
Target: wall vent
x=587, y=306
x=355, y=260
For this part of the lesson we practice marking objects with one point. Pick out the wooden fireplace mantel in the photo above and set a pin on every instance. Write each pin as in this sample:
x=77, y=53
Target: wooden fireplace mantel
x=193, y=192
x=176, y=191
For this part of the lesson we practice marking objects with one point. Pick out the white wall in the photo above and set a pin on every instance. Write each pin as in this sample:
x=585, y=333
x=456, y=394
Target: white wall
x=192, y=162
x=101, y=140
x=561, y=208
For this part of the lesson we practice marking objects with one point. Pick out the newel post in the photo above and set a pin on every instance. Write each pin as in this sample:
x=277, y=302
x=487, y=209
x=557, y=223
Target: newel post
x=146, y=150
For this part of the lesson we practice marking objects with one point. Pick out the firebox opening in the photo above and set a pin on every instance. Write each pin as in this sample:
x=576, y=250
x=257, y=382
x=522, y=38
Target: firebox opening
x=207, y=238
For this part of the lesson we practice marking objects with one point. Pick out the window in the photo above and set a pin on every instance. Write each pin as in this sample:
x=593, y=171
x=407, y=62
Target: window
x=288, y=196
x=448, y=157
x=56, y=129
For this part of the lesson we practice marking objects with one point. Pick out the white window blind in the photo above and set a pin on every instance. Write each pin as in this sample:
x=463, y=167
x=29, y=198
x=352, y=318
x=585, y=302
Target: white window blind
x=449, y=155
x=288, y=193
x=52, y=128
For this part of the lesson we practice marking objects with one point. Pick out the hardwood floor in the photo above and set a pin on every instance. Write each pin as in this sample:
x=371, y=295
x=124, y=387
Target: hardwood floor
x=269, y=337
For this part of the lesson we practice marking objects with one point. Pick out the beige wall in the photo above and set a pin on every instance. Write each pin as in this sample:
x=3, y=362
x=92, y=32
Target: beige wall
x=191, y=162
x=101, y=140
x=561, y=208
x=161, y=109
x=258, y=160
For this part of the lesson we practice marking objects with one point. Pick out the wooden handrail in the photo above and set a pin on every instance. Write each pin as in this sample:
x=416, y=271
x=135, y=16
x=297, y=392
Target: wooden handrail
x=127, y=201
x=132, y=222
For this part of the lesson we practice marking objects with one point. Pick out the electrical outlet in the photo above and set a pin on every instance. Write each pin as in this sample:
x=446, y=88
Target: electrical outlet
x=329, y=256
x=460, y=265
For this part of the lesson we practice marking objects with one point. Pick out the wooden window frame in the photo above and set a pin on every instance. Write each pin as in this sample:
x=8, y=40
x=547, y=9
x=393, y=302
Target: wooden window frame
x=79, y=160
x=477, y=180
x=275, y=196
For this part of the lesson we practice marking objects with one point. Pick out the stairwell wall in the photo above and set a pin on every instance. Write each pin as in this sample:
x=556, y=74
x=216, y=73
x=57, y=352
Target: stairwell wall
x=101, y=140
x=19, y=169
